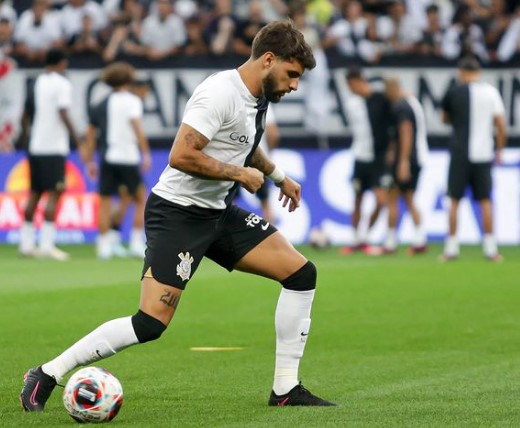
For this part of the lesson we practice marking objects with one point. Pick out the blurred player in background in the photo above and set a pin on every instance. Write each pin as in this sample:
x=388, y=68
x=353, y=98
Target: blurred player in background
x=9, y=105
x=115, y=125
x=189, y=215
x=48, y=104
x=409, y=154
x=473, y=108
x=369, y=114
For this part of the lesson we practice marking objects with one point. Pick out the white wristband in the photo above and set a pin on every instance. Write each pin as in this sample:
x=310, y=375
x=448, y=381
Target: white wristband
x=277, y=176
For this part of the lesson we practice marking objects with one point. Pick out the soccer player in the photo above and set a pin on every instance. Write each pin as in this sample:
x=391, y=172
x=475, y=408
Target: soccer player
x=189, y=215
x=49, y=104
x=473, y=108
x=116, y=123
x=369, y=115
x=409, y=153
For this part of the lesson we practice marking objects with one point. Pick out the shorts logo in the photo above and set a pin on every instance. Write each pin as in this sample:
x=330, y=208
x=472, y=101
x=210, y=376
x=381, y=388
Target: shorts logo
x=184, y=267
x=252, y=220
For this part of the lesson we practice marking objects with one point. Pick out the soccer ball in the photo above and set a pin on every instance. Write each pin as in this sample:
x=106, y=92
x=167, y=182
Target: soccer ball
x=318, y=239
x=93, y=394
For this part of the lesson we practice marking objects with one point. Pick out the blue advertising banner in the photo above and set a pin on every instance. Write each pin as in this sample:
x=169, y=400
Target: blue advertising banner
x=327, y=202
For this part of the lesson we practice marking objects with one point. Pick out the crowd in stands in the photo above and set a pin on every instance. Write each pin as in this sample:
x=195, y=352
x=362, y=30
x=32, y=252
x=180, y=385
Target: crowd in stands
x=367, y=30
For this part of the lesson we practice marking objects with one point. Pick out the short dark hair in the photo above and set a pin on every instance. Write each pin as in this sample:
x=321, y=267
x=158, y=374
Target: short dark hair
x=468, y=63
x=55, y=56
x=433, y=8
x=118, y=74
x=285, y=41
x=355, y=73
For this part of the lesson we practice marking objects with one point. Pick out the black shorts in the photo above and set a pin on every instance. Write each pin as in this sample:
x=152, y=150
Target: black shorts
x=178, y=237
x=113, y=177
x=370, y=175
x=411, y=184
x=47, y=172
x=476, y=175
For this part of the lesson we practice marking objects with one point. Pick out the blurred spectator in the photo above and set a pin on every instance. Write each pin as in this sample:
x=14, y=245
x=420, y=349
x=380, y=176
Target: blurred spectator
x=163, y=34
x=248, y=28
x=7, y=12
x=221, y=29
x=349, y=33
x=464, y=37
x=431, y=42
x=72, y=17
x=195, y=43
x=321, y=11
x=6, y=37
x=496, y=25
x=37, y=31
x=510, y=42
x=87, y=41
x=398, y=30
x=10, y=103
x=126, y=33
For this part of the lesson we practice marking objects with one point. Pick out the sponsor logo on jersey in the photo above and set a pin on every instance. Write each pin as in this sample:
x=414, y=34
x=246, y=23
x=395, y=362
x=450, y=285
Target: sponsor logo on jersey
x=234, y=136
x=184, y=267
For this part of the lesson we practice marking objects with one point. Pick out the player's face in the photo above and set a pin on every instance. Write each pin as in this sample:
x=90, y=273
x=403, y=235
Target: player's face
x=282, y=78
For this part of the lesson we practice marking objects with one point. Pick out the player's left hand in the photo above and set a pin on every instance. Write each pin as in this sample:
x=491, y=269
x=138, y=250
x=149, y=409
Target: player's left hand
x=403, y=171
x=291, y=193
x=147, y=162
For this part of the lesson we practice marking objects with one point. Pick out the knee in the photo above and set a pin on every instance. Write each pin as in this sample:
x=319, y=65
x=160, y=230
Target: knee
x=303, y=279
x=146, y=327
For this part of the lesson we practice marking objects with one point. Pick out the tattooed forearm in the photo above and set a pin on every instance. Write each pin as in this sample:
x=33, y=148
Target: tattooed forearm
x=261, y=162
x=195, y=140
x=170, y=299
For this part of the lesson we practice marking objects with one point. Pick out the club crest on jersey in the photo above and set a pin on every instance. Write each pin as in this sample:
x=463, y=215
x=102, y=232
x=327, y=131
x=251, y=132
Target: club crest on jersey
x=184, y=267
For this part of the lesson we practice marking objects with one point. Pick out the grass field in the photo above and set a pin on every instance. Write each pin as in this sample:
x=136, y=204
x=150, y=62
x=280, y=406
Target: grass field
x=395, y=341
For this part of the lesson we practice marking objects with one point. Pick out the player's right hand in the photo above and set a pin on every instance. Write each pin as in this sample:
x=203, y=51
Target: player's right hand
x=252, y=179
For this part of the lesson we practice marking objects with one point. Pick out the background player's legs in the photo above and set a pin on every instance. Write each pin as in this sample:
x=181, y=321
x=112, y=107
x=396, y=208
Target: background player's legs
x=156, y=309
x=267, y=212
x=381, y=195
x=104, y=240
x=419, y=241
x=27, y=232
x=277, y=259
x=390, y=244
x=451, y=245
x=489, y=245
x=137, y=244
x=48, y=230
x=116, y=222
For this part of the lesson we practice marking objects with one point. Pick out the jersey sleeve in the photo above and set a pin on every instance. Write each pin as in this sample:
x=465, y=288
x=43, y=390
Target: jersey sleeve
x=498, y=104
x=65, y=95
x=207, y=110
x=403, y=113
x=135, y=110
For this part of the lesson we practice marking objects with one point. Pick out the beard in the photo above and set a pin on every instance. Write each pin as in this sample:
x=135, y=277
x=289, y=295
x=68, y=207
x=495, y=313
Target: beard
x=269, y=89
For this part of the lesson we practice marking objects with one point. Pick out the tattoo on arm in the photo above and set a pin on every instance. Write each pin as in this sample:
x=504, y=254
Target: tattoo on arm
x=170, y=299
x=261, y=162
x=197, y=141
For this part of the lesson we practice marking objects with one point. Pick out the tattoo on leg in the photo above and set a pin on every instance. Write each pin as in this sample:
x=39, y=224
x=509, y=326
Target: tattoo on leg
x=170, y=299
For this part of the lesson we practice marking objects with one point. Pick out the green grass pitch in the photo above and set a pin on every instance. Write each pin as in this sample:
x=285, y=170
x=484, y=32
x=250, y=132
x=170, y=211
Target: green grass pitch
x=395, y=341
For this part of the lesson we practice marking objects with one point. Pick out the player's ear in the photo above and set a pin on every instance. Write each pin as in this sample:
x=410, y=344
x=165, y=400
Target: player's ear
x=268, y=59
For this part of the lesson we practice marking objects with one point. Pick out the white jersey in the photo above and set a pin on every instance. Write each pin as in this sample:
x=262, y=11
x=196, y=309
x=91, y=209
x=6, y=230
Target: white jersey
x=225, y=112
x=122, y=144
x=49, y=135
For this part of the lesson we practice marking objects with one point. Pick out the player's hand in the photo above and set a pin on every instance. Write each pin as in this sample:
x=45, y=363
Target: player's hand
x=290, y=193
x=403, y=171
x=498, y=157
x=92, y=170
x=146, y=163
x=252, y=179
